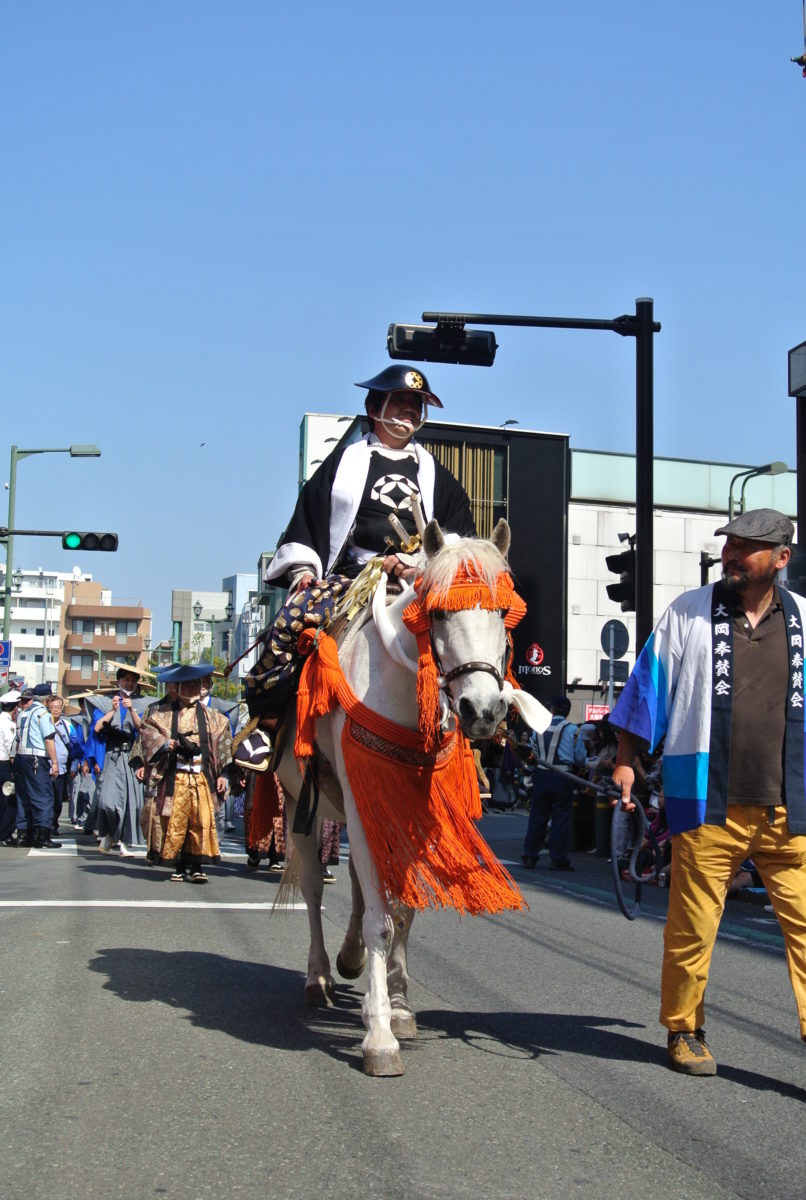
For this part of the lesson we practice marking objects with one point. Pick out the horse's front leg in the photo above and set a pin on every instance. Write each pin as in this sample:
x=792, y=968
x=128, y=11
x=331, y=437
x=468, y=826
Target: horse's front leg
x=319, y=985
x=352, y=958
x=404, y=1023
x=380, y=1046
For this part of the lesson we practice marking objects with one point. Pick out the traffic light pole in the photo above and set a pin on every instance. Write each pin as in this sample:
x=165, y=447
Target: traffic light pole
x=7, y=535
x=642, y=326
x=644, y=469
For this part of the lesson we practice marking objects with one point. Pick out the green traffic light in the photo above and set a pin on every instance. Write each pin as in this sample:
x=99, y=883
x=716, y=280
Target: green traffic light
x=71, y=541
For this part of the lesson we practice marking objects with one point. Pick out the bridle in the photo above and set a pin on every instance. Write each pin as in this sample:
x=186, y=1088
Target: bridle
x=468, y=590
x=446, y=678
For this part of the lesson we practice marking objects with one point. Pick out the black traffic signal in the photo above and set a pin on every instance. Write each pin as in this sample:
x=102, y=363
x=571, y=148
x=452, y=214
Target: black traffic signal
x=89, y=541
x=442, y=344
x=623, y=592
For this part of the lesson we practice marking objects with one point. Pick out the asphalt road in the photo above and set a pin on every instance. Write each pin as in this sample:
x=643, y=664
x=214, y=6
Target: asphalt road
x=155, y=1042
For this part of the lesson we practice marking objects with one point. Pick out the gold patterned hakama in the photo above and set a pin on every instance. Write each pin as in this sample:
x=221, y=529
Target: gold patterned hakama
x=189, y=832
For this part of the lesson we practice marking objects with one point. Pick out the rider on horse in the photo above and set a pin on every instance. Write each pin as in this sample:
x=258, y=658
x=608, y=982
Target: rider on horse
x=341, y=521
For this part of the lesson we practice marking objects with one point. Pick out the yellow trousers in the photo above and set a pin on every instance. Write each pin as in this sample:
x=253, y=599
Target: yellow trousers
x=704, y=860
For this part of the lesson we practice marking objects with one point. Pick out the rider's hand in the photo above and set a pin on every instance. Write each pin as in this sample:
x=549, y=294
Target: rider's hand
x=393, y=566
x=304, y=582
x=623, y=777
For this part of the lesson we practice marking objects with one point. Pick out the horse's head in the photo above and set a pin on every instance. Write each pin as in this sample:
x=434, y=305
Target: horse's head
x=468, y=599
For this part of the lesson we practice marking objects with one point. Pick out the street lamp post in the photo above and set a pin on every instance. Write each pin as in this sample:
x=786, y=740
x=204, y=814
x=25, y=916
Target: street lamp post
x=211, y=621
x=774, y=468
x=16, y=455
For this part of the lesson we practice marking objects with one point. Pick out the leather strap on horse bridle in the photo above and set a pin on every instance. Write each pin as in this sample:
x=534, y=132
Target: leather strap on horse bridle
x=466, y=668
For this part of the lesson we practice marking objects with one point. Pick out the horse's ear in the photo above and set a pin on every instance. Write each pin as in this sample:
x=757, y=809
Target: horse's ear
x=433, y=541
x=501, y=537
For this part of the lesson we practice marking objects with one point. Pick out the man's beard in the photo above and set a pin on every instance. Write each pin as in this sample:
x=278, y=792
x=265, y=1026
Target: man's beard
x=736, y=582
x=739, y=579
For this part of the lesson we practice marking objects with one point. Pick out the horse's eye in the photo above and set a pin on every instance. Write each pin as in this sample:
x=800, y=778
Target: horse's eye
x=438, y=614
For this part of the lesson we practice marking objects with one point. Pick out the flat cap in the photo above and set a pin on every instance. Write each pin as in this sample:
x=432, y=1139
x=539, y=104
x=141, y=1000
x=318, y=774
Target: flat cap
x=761, y=525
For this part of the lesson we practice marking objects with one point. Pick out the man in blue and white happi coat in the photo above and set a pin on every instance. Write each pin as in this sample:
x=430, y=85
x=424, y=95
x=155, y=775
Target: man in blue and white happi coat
x=721, y=679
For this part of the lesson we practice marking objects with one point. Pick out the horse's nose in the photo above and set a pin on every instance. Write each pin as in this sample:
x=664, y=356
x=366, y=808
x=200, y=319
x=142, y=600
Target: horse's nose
x=492, y=713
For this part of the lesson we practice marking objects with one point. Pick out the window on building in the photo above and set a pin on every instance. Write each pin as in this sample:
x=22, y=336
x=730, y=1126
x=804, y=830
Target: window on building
x=85, y=663
x=125, y=630
x=37, y=658
x=40, y=632
x=482, y=472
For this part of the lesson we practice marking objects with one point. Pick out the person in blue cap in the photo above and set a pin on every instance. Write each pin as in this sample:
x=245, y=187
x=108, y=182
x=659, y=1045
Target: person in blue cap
x=35, y=765
x=341, y=520
x=186, y=747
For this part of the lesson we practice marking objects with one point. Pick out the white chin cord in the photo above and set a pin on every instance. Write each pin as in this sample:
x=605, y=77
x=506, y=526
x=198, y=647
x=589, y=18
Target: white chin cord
x=398, y=428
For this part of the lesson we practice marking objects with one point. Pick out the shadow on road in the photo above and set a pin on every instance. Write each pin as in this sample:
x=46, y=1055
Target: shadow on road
x=534, y=1034
x=511, y=1034
x=254, y=1002
x=134, y=868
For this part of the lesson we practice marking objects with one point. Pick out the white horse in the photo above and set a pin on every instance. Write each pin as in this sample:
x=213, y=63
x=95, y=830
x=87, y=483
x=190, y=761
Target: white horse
x=379, y=662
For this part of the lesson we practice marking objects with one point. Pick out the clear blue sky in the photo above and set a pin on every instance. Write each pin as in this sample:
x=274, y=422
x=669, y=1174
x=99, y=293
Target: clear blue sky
x=213, y=210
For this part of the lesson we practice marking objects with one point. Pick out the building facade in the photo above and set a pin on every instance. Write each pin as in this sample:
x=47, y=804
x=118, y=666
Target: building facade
x=37, y=597
x=97, y=636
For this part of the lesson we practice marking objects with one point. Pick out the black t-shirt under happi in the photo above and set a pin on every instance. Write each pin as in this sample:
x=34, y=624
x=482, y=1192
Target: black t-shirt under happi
x=391, y=483
x=758, y=715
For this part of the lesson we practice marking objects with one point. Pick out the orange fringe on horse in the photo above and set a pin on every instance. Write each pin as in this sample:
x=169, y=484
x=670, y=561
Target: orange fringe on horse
x=416, y=801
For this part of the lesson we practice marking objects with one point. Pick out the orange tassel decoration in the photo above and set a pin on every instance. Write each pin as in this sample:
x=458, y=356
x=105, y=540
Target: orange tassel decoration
x=417, y=805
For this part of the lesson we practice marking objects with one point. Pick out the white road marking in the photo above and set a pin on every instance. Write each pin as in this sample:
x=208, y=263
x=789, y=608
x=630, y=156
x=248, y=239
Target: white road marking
x=246, y=906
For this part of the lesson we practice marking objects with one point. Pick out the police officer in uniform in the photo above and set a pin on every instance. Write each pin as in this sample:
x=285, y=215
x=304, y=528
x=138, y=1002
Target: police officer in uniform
x=35, y=767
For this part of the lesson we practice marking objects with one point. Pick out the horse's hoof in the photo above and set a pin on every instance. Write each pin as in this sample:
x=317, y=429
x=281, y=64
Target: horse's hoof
x=350, y=972
x=404, y=1025
x=383, y=1062
x=321, y=994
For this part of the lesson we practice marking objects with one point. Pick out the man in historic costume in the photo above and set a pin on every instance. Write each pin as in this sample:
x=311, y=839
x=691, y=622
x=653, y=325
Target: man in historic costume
x=120, y=793
x=341, y=521
x=721, y=678
x=186, y=747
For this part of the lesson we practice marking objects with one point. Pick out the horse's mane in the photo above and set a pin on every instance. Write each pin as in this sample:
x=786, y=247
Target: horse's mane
x=478, y=557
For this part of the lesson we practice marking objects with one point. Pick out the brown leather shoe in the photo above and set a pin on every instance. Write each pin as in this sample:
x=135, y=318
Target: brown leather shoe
x=689, y=1054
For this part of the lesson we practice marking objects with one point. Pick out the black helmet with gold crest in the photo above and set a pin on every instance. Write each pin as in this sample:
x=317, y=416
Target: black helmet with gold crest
x=400, y=377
